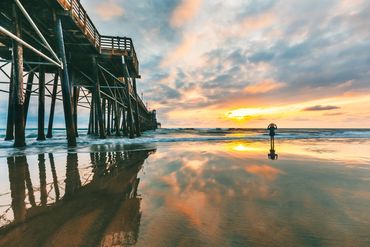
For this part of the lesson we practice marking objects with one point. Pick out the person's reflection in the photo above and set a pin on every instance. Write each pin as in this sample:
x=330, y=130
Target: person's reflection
x=273, y=155
x=72, y=181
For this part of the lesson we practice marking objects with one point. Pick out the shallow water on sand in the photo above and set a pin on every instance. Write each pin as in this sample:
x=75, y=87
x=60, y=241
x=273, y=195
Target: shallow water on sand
x=208, y=193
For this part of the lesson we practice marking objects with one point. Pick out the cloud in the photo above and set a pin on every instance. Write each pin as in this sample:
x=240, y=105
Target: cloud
x=184, y=12
x=321, y=108
x=334, y=114
x=258, y=22
x=109, y=10
x=264, y=87
x=264, y=171
x=180, y=51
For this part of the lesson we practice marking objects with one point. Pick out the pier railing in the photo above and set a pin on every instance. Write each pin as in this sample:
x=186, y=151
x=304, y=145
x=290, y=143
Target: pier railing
x=104, y=44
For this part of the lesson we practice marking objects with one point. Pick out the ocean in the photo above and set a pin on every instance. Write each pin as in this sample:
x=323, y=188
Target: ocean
x=188, y=187
x=59, y=143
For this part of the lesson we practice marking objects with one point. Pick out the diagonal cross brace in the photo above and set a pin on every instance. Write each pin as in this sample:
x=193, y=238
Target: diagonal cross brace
x=22, y=42
x=28, y=17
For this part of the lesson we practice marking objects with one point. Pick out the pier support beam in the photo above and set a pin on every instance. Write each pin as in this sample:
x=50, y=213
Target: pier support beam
x=19, y=122
x=124, y=123
x=96, y=117
x=130, y=119
x=92, y=113
x=76, y=95
x=117, y=120
x=90, y=129
x=41, y=112
x=113, y=123
x=108, y=118
x=104, y=109
x=98, y=104
x=31, y=75
x=10, y=122
x=52, y=106
x=66, y=92
x=111, y=117
x=137, y=118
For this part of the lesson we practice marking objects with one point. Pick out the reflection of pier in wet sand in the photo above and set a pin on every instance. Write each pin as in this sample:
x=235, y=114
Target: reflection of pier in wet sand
x=104, y=209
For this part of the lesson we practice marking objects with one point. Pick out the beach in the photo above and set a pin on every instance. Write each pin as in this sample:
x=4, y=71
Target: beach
x=184, y=123
x=189, y=187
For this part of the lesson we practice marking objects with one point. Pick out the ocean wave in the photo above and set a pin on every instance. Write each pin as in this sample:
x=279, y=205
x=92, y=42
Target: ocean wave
x=59, y=143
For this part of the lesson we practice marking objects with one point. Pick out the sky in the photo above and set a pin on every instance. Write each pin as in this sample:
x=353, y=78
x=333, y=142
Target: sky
x=243, y=63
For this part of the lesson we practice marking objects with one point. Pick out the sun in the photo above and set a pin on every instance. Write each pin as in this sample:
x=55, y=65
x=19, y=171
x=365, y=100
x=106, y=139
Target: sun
x=245, y=113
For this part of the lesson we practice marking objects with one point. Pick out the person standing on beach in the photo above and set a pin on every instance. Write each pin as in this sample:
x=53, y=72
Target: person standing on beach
x=272, y=127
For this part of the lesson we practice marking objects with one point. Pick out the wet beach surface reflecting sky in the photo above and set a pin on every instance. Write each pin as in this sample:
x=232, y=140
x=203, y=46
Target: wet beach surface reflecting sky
x=224, y=193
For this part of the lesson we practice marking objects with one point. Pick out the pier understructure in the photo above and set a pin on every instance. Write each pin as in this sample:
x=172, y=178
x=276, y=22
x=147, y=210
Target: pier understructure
x=52, y=49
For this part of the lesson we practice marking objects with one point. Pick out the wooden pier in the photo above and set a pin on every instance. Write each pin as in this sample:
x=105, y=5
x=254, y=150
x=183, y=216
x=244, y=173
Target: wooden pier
x=56, y=43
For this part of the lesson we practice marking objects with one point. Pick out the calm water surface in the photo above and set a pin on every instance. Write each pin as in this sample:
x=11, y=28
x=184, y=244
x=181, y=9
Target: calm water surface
x=209, y=193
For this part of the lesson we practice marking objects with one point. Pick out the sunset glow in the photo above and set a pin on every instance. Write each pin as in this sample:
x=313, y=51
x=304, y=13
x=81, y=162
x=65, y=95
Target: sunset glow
x=243, y=113
x=246, y=63
x=243, y=63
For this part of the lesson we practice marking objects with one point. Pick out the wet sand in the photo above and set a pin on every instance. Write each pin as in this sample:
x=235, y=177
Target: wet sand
x=218, y=193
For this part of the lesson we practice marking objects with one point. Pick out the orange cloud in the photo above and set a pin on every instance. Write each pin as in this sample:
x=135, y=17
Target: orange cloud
x=108, y=10
x=184, y=12
x=196, y=165
x=180, y=52
x=251, y=24
x=268, y=172
x=258, y=22
x=264, y=87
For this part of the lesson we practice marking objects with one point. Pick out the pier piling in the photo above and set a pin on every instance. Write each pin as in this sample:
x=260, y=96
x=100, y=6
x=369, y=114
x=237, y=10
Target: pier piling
x=10, y=121
x=19, y=122
x=52, y=106
x=66, y=93
x=41, y=112
x=31, y=75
